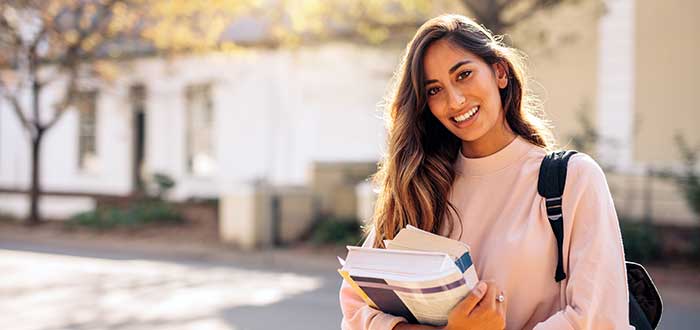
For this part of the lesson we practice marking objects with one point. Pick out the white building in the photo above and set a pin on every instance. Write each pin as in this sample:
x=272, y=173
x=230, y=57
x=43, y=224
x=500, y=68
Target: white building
x=210, y=122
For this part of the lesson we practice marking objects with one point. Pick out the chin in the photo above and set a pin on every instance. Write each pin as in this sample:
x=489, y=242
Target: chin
x=470, y=137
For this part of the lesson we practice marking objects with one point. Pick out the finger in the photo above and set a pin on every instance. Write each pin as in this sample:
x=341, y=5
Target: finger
x=489, y=300
x=502, y=309
x=474, y=297
x=502, y=306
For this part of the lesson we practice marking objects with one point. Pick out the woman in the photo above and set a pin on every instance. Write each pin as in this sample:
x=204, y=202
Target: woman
x=464, y=150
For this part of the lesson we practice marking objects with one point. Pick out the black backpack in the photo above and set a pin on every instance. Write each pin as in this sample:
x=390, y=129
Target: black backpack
x=645, y=305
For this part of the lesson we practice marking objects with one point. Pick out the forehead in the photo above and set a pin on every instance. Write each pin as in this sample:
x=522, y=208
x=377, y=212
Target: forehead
x=442, y=55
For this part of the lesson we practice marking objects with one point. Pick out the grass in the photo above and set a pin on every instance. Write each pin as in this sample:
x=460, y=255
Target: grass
x=641, y=242
x=337, y=231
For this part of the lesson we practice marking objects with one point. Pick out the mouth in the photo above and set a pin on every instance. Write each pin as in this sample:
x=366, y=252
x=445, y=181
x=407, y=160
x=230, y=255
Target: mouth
x=467, y=116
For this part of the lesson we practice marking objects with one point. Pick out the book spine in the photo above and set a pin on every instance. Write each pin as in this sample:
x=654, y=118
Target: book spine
x=464, y=262
x=357, y=288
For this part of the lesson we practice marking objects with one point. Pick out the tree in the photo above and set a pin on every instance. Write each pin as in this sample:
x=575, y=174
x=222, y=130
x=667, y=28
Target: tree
x=689, y=179
x=501, y=16
x=376, y=21
x=66, y=42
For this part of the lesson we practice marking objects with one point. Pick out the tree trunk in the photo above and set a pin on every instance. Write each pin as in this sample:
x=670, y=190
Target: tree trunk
x=36, y=139
x=35, y=189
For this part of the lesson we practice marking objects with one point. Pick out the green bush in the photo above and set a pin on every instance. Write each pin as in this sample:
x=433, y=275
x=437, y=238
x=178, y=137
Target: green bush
x=164, y=183
x=641, y=242
x=136, y=215
x=337, y=231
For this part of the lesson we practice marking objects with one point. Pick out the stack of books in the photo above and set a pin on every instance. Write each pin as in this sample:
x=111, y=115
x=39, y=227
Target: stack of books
x=420, y=276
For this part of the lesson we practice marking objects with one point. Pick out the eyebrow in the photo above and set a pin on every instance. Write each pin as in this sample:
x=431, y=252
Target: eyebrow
x=452, y=70
x=458, y=64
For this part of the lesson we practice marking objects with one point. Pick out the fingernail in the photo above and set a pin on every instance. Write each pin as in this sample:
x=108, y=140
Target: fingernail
x=480, y=288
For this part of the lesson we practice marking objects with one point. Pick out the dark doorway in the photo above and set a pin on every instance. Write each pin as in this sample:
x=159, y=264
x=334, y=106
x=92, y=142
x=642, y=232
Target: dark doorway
x=137, y=95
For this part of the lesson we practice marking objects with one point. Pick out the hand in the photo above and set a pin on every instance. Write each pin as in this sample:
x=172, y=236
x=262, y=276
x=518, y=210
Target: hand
x=479, y=309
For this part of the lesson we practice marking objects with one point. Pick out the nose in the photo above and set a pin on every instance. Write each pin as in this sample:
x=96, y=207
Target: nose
x=457, y=98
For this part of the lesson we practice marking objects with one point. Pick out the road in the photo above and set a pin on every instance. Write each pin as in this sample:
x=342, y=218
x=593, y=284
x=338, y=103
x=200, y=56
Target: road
x=50, y=287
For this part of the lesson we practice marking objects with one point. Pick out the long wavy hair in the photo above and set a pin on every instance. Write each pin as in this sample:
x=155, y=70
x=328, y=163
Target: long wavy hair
x=416, y=174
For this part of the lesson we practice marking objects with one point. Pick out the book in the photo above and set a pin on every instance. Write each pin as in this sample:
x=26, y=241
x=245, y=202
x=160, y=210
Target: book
x=420, y=276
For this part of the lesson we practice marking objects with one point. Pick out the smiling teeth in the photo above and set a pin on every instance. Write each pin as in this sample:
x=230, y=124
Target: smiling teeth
x=466, y=115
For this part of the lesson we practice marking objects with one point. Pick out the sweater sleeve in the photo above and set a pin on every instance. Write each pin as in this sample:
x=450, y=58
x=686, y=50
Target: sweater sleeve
x=357, y=315
x=595, y=290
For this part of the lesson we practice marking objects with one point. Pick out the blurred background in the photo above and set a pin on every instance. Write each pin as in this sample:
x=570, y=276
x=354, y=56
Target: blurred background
x=200, y=164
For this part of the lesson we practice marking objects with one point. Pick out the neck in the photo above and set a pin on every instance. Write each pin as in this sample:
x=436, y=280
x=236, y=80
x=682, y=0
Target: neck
x=488, y=144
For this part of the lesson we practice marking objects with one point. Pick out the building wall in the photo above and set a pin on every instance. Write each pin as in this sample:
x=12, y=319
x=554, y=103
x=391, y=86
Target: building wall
x=563, y=66
x=620, y=67
x=275, y=113
x=667, y=47
x=629, y=69
x=615, y=87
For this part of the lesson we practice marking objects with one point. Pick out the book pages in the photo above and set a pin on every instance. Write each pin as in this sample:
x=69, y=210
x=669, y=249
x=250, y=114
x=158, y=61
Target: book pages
x=419, y=276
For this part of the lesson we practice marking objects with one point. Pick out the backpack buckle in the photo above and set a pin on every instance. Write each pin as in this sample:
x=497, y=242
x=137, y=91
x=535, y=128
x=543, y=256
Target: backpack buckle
x=554, y=217
x=554, y=212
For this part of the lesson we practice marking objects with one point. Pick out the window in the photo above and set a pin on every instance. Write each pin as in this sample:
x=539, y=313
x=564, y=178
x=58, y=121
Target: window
x=86, y=104
x=200, y=130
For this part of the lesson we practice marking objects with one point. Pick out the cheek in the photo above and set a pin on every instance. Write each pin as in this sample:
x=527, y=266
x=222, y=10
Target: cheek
x=496, y=95
x=493, y=97
x=436, y=108
x=440, y=114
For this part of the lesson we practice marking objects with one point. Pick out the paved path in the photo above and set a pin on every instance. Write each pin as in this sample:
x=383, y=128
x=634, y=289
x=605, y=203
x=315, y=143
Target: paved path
x=52, y=287
x=73, y=289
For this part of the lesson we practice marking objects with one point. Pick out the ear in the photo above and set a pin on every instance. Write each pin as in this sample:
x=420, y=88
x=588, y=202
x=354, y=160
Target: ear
x=501, y=71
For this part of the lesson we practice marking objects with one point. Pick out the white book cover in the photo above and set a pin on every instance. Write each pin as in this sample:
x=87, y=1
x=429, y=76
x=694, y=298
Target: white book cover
x=420, y=276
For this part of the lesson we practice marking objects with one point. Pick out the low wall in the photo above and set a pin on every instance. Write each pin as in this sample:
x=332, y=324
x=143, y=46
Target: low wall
x=260, y=216
x=639, y=197
x=51, y=207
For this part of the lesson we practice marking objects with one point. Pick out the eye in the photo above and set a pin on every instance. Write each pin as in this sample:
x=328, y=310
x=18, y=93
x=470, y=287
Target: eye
x=433, y=90
x=464, y=74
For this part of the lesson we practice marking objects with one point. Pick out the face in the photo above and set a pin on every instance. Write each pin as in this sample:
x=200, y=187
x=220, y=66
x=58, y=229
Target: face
x=463, y=93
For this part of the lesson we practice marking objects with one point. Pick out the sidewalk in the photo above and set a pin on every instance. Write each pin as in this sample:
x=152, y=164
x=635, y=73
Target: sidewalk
x=85, y=282
x=92, y=284
x=167, y=246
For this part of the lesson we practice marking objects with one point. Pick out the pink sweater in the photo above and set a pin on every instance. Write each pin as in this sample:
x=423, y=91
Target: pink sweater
x=504, y=221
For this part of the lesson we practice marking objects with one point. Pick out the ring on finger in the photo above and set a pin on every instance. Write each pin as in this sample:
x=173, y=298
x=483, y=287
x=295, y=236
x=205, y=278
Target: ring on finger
x=500, y=298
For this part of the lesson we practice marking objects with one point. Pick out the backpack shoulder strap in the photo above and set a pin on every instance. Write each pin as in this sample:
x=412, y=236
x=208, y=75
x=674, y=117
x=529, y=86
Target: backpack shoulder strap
x=550, y=185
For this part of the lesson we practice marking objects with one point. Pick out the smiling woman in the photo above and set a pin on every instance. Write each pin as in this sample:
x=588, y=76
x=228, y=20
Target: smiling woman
x=463, y=157
x=459, y=88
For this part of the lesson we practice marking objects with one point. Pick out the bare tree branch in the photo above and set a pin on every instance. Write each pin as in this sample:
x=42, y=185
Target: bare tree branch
x=534, y=8
x=61, y=106
x=477, y=8
x=97, y=25
x=58, y=113
x=16, y=106
x=37, y=39
x=502, y=5
x=487, y=13
x=10, y=30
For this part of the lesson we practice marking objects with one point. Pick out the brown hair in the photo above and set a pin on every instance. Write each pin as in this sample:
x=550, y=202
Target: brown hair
x=416, y=174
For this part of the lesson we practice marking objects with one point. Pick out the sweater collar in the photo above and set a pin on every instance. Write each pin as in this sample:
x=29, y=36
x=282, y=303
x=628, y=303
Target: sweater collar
x=495, y=162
